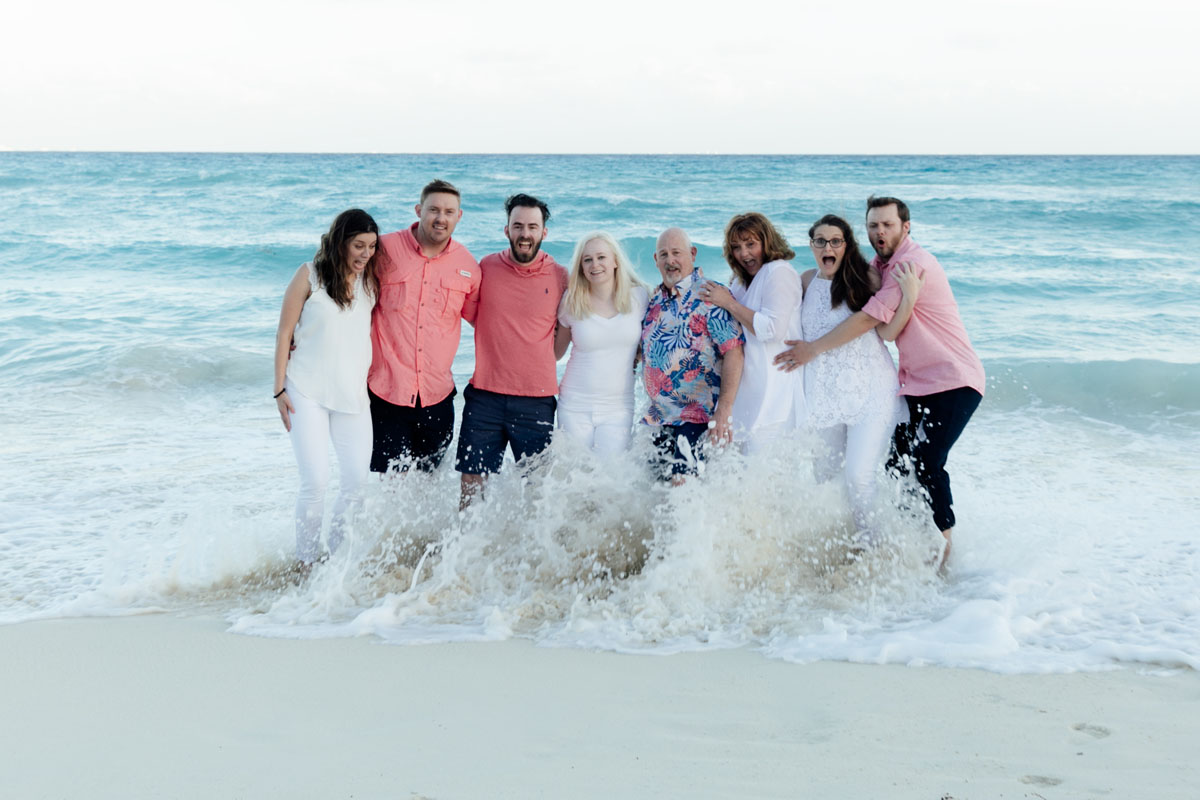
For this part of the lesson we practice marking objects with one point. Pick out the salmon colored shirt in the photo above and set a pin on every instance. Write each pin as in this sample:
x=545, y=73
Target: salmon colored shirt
x=935, y=353
x=514, y=326
x=418, y=320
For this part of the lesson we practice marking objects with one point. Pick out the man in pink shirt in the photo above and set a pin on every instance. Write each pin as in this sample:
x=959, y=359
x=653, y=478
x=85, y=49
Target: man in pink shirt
x=510, y=399
x=941, y=377
x=427, y=283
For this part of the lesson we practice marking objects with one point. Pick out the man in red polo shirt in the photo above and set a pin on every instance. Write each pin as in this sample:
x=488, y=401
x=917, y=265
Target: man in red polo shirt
x=510, y=399
x=427, y=283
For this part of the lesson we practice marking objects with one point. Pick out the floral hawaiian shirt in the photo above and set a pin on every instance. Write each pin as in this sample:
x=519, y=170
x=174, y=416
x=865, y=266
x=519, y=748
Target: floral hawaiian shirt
x=683, y=340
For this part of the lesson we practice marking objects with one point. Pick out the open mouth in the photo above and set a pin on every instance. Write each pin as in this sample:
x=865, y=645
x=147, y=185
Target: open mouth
x=828, y=261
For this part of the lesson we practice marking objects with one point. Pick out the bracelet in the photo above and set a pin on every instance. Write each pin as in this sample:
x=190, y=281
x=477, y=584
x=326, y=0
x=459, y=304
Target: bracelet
x=276, y=395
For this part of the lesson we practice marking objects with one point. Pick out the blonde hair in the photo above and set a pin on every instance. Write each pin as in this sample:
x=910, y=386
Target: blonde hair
x=578, y=299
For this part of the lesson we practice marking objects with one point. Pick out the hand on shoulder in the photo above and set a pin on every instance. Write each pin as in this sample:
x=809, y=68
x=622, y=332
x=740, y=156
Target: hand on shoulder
x=910, y=278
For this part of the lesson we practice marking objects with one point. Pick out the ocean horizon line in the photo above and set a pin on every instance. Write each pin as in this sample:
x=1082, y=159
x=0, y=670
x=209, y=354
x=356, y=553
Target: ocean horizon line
x=484, y=154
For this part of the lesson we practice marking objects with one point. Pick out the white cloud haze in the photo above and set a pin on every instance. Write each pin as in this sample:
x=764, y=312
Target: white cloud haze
x=744, y=76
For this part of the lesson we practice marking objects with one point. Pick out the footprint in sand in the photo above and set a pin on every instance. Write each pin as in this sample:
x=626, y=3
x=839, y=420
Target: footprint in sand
x=1040, y=780
x=1094, y=731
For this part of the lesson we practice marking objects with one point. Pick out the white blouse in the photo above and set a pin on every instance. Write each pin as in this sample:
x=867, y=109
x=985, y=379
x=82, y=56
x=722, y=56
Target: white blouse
x=599, y=373
x=767, y=395
x=333, y=348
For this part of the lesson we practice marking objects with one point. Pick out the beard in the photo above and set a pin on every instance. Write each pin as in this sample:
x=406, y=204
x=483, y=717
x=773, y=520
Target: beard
x=885, y=250
x=520, y=257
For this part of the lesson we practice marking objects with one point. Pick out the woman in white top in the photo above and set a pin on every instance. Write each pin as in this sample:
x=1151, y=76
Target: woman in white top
x=321, y=390
x=765, y=299
x=852, y=390
x=601, y=318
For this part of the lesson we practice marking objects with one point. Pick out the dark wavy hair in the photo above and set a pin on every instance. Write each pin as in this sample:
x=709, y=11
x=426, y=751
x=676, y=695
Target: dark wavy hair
x=775, y=244
x=330, y=260
x=525, y=201
x=854, y=282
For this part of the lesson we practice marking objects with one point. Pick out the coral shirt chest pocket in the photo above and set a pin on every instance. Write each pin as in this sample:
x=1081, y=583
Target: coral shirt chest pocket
x=393, y=295
x=454, y=289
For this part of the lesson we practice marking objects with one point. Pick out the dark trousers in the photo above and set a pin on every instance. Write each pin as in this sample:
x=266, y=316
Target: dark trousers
x=410, y=436
x=669, y=459
x=923, y=444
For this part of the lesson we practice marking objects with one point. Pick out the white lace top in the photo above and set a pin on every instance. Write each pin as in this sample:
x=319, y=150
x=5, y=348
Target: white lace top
x=846, y=385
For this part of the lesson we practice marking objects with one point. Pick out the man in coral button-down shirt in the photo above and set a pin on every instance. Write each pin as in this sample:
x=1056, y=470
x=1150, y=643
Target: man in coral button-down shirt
x=427, y=283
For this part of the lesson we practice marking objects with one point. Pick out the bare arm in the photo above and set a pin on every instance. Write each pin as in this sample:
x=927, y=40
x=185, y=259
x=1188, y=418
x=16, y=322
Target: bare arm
x=849, y=329
x=293, y=303
x=910, y=287
x=731, y=377
x=562, y=338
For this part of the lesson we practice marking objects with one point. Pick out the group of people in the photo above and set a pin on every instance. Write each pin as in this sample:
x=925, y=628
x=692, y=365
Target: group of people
x=370, y=327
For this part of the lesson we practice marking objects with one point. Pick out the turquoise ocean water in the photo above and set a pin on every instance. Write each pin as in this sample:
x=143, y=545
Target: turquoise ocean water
x=144, y=467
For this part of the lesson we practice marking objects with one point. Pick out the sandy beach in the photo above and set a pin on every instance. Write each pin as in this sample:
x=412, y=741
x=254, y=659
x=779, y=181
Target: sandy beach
x=165, y=706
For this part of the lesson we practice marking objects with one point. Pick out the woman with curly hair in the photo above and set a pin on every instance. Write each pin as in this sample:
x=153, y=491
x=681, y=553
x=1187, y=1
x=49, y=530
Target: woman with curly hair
x=600, y=317
x=852, y=390
x=321, y=389
x=765, y=299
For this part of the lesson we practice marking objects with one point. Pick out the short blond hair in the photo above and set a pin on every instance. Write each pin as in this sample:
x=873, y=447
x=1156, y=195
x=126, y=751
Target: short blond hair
x=578, y=300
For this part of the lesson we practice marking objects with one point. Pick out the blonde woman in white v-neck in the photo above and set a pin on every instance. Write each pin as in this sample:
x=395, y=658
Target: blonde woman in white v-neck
x=600, y=318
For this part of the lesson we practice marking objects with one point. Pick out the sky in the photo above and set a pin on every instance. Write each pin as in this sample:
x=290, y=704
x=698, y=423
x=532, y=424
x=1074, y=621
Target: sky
x=742, y=76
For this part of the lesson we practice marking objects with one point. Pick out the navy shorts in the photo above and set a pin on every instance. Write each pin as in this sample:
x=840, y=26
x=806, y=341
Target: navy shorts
x=669, y=458
x=493, y=421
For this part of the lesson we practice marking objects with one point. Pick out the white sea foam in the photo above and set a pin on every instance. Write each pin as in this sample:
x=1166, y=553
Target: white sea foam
x=596, y=555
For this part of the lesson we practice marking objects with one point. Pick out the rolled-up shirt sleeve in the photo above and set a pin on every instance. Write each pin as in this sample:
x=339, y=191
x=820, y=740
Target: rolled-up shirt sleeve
x=883, y=304
x=782, y=296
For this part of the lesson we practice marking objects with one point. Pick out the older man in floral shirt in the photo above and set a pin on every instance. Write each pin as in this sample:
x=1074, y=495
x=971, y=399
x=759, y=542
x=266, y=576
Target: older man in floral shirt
x=693, y=360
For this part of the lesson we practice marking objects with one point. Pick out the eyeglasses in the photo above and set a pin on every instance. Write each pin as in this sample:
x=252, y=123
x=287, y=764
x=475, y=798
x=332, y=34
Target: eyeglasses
x=834, y=243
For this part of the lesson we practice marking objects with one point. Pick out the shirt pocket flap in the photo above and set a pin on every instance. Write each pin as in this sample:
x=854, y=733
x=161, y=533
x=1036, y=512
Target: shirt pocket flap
x=456, y=283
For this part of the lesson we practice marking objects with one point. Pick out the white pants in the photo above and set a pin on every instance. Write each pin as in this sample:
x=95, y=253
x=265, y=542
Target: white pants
x=857, y=450
x=313, y=428
x=604, y=432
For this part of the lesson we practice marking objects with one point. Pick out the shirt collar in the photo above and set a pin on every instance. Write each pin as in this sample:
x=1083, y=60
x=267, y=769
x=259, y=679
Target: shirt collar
x=684, y=286
x=415, y=245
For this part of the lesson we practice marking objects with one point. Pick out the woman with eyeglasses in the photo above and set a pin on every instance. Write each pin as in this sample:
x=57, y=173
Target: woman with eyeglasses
x=765, y=298
x=851, y=390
